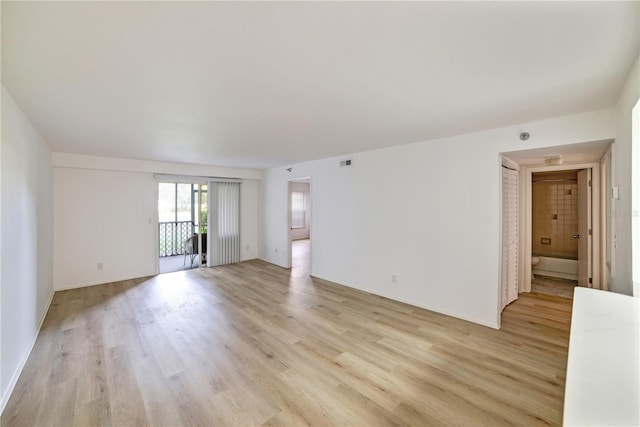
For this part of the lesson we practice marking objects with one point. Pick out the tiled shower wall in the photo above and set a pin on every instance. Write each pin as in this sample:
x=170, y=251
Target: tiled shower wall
x=555, y=215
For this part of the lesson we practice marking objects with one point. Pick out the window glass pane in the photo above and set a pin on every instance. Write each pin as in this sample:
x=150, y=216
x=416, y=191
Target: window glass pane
x=166, y=202
x=298, y=209
x=184, y=202
x=203, y=207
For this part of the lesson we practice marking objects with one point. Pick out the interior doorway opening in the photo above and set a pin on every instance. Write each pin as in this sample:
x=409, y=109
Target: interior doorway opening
x=589, y=163
x=561, y=231
x=182, y=226
x=299, y=201
x=562, y=241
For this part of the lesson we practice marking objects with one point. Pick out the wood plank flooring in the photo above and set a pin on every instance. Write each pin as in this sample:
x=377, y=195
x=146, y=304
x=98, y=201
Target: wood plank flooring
x=254, y=344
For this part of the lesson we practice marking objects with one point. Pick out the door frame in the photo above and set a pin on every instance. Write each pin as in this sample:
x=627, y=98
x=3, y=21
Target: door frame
x=607, y=224
x=585, y=196
x=526, y=219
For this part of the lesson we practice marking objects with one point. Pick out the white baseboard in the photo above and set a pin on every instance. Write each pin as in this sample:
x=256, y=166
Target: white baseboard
x=100, y=282
x=450, y=314
x=271, y=261
x=25, y=357
x=419, y=305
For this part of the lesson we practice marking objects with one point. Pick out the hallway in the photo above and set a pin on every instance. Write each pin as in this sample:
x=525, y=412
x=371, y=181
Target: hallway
x=301, y=258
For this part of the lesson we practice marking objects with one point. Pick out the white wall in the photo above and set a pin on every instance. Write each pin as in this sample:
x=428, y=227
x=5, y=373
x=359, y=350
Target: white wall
x=110, y=217
x=635, y=226
x=26, y=278
x=621, y=209
x=103, y=217
x=248, y=219
x=428, y=213
x=302, y=233
x=3, y=398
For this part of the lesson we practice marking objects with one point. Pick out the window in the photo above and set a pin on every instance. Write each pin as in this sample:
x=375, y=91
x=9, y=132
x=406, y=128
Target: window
x=298, y=209
x=174, y=202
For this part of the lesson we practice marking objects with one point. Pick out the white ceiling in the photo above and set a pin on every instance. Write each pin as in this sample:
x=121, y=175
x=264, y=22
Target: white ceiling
x=587, y=152
x=272, y=83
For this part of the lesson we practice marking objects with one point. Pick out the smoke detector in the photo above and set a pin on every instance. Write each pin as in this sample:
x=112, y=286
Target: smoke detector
x=553, y=160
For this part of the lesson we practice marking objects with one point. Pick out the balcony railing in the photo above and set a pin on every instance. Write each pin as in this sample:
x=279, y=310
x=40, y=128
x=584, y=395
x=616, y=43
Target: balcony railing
x=173, y=235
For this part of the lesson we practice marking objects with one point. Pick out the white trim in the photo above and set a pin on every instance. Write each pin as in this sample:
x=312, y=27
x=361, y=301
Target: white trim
x=411, y=303
x=209, y=225
x=156, y=239
x=604, y=217
x=525, y=218
x=509, y=163
x=414, y=304
x=635, y=198
x=192, y=179
x=25, y=357
x=289, y=257
x=102, y=282
x=310, y=219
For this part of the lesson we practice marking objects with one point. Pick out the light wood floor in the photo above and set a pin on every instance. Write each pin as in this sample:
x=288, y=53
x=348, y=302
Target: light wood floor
x=254, y=344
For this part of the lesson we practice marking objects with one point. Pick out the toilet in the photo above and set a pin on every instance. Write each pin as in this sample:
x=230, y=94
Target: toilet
x=534, y=261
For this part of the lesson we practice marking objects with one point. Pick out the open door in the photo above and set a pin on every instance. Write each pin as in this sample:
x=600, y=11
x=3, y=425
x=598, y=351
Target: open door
x=510, y=236
x=584, y=228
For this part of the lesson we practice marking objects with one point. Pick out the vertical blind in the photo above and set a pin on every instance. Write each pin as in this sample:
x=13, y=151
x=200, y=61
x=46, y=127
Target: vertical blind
x=510, y=236
x=224, y=223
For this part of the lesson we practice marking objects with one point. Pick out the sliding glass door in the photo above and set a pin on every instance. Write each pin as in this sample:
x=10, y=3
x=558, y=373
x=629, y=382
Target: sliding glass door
x=182, y=225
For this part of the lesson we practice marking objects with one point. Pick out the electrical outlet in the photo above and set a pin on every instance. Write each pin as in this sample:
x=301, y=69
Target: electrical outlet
x=394, y=279
x=99, y=266
x=248, y=247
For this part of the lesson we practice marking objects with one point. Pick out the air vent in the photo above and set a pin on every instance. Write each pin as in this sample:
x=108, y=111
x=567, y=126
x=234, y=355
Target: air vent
x=344, y=163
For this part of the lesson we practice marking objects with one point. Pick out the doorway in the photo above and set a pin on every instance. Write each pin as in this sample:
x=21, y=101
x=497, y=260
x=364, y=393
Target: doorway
x=588, y=157
x=299, y=201
x=561, y=239
x=561, y=231
x=182, y=225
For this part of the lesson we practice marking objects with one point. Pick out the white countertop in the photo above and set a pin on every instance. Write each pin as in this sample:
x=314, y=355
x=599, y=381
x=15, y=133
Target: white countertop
x=603, y=370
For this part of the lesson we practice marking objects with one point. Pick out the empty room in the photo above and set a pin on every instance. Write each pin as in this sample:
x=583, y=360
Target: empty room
x=320, y=213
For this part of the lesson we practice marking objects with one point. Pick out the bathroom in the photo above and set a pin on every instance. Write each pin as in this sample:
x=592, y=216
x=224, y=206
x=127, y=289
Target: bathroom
x=554, y=230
